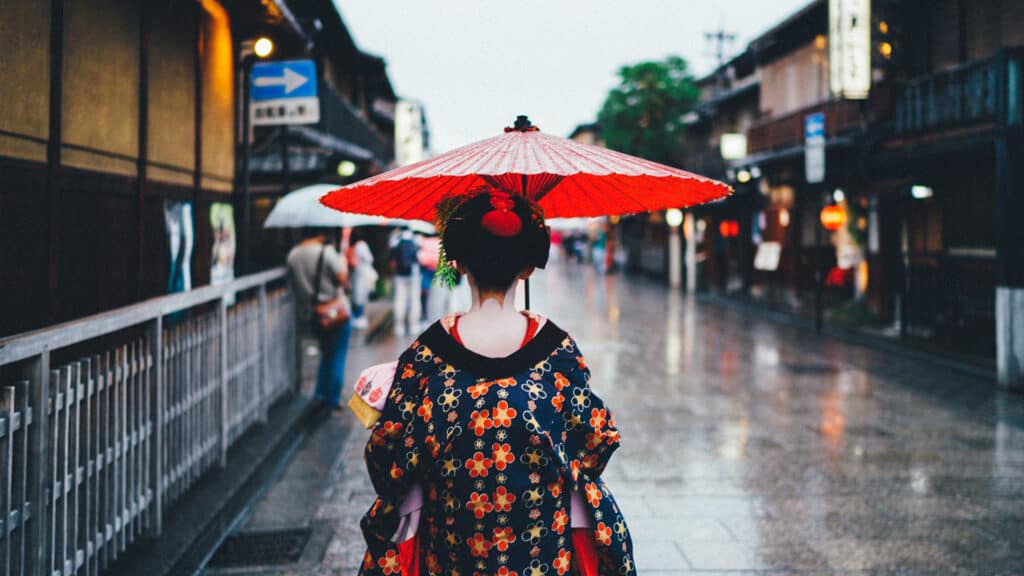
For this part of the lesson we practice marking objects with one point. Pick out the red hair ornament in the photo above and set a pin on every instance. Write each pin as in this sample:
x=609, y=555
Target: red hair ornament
x=502, y=221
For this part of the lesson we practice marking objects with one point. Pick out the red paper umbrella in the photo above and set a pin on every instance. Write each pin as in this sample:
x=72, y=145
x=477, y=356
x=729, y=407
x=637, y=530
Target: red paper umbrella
x=567, y=178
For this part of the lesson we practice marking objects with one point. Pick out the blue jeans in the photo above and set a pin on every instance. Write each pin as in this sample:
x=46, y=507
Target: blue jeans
x=357, y=310
x=331, y=377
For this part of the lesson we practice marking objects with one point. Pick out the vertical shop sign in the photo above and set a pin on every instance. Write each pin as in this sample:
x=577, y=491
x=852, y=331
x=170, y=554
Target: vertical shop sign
x=814, y=148
x=849, y=48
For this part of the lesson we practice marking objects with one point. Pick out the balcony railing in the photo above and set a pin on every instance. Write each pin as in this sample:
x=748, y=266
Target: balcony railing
x=982, y=91
x=107, y=420
x=788, y=130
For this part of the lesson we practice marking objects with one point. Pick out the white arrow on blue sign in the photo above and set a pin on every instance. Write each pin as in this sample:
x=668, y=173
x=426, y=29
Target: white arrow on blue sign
x=284, y=93
x=814, y=148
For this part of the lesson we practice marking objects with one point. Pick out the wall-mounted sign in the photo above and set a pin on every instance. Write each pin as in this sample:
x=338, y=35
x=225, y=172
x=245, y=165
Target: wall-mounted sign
x=284, y=93
x=814, y=148
x=733, y=146
x=767, y=257
x=849, y=47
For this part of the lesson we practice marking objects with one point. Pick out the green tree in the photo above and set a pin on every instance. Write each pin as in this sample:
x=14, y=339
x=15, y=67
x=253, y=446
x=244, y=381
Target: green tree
x=643, y=115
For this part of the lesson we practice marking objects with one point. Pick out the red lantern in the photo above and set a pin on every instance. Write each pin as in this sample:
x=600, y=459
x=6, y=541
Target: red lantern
x=833, y=217
x=729, y=228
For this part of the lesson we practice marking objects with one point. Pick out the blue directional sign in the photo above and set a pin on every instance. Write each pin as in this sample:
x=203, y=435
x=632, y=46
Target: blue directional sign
x=284, y=93
x=814, y=127
x=814, y=148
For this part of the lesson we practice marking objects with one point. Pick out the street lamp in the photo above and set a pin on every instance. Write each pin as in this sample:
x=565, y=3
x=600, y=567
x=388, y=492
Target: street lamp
x=263, y=47
x=258, y=48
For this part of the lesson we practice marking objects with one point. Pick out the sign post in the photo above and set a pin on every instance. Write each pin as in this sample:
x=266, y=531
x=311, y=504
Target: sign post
x=273, y=94
x=814, y=172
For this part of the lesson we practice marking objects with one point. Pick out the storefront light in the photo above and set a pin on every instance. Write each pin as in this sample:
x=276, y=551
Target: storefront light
x=838, y=195
x=743, y=176
x=674, y=217
x=346, y=168
x=921, y=192
x=755, y=171
x=783, y=217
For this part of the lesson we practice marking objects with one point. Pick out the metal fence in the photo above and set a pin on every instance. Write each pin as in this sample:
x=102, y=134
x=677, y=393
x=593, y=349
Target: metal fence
x=107, y=420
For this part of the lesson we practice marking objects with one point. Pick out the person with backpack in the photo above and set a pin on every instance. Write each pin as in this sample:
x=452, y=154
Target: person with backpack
x=406, y=269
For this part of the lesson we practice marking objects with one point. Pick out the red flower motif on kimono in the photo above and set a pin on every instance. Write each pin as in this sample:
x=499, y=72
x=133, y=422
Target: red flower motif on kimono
x=479, y=504
x=593, y=494
x=503, y=414
x=480, y=546
x=560, y=381
x=557, y=400
x=396, y=472
x=506, y=382
x=479, y=465
x=561, y=564
x=502, y=455
x=408, y=371
x=555, y=489
x=581, y=362
x=389, y=563
x=504, y=571
x=593, y=440
x=478, y=390
x=503, y=499
x=598, y=417
x=425, y=410
x=603, y=534
x=481, y=421
x=561, y=521
x=503, y=537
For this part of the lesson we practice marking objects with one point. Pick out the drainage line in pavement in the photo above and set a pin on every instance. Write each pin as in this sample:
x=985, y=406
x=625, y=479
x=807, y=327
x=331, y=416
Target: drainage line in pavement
x=240, y=506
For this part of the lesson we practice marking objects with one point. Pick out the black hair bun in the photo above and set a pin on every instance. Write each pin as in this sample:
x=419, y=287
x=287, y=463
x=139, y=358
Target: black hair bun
x=495, y=236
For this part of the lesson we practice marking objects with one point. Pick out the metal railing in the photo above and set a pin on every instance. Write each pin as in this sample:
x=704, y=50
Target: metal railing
x=107, y=420
x=987, y=90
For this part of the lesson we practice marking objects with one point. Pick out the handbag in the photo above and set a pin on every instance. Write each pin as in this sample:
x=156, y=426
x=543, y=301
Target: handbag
x=332, y=313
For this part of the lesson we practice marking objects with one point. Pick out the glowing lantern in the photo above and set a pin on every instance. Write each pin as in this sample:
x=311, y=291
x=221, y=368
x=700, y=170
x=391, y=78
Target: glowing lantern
x=729, y=228
x=833, y=217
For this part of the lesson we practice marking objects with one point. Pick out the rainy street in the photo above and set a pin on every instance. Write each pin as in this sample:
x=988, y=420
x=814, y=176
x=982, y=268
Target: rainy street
x=748, y=446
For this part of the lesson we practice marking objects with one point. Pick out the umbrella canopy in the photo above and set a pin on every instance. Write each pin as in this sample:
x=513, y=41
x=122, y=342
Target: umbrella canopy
x=567, y=178
x=301, y=208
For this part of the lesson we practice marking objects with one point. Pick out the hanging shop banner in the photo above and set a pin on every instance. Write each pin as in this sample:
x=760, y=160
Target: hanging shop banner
x=409, y=133
x=849, y=48
x=180, y=234
x=222, y=257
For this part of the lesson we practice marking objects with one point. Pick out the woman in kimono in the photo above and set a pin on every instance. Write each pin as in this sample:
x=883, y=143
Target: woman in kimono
x=491, y=423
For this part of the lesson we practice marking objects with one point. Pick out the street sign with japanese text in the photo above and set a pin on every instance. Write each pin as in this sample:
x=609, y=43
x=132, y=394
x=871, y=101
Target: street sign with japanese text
x=814, y=148
x=284, y=93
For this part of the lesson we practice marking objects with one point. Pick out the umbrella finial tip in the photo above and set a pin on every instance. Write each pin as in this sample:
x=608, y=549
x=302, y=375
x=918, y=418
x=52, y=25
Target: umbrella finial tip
x=522, y=124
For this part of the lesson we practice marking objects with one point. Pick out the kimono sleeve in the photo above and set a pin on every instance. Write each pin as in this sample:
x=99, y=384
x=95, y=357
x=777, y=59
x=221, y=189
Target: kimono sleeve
x=395, y=452
x=591, y=433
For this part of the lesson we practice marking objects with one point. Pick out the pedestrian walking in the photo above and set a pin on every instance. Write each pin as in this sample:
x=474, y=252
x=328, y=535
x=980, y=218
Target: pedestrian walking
x=487, y=453
x=318, y=276
x=406, y=270
x=364, y=277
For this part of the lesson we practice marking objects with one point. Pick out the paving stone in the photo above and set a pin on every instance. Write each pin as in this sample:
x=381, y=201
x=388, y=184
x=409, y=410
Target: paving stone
x=759, y=449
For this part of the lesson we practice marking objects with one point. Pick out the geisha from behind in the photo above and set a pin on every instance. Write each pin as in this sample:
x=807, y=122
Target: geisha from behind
x=490, y=432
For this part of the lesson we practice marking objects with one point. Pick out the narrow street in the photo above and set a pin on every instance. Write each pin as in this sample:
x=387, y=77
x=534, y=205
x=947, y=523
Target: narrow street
x=749, y=446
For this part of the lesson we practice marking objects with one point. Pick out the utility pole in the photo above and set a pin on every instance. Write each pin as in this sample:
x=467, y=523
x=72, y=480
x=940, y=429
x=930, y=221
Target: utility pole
x=716, y=48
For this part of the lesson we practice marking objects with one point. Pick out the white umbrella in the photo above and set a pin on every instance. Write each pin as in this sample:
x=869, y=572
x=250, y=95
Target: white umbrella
x=572, y=224
x=301, y=208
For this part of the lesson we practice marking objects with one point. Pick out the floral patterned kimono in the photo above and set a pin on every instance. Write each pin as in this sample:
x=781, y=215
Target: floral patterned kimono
x=497, y=444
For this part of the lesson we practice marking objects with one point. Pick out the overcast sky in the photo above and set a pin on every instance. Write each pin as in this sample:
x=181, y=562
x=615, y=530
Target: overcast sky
x=476, y=64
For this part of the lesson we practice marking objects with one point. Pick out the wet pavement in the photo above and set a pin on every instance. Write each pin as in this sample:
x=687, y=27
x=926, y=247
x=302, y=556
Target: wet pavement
x=752, y=447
